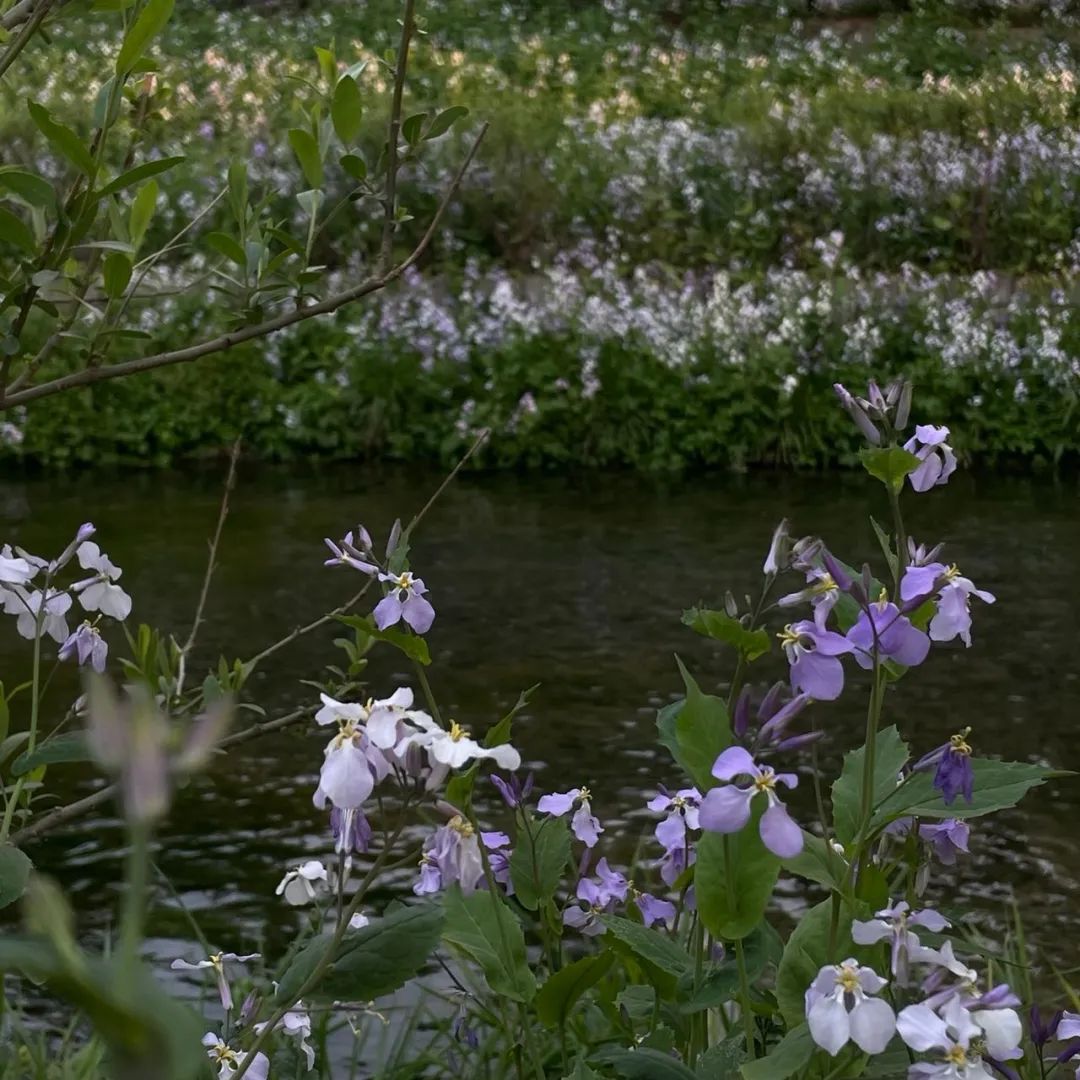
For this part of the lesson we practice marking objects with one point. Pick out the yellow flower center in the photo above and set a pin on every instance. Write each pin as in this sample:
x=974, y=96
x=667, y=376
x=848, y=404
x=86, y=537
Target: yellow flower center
x=788, y=636
x=404, y=580
x=461, y=826
x=848, y=978
x=766, y=781
x=457, y=732
x=883, y=597
x=584, y=795
x=957, y=1055
x=824, y=585
x=958, y=743
x=952, y=573
x=222, y=1053
x=215, y=959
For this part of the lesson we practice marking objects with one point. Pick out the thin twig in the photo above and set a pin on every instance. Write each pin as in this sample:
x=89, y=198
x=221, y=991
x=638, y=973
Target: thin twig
x=393, y=133
x=21, y=11
x=211, y=562
x=25, y=34
x=223, y=342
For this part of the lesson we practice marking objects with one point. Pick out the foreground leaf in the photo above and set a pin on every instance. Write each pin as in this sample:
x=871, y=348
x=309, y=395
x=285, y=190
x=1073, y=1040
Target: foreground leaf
x=15, y=869
x=890, y=755
x=785, y=1059
x=538, y=861
x=720, y=626
x=565, y=988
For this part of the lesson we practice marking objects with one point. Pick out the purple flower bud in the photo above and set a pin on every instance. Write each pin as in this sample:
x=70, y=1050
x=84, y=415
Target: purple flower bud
x=903, y=405
x=877, y=398
x=777, y=558
x=513, y=791
x=249, y=1009
x=395, y=537
x=741, y=720
x=840, y=576
x=772, y=700
x=1042, y=1033
x=773, y=729
x=859, y=415
x=797, y=742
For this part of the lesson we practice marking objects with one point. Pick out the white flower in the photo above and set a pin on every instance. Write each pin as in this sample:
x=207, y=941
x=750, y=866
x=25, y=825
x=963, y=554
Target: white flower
x=358, y=921
x=351, y=767
x=381, y=717
x=228, y=1061
x=216, y=963
x=303, y=883
x=950, y=1035
x=25, y=604
x=839, y=1009
x=15, y=571
x=454, y=748
x=296, y=1022
x=99, y=593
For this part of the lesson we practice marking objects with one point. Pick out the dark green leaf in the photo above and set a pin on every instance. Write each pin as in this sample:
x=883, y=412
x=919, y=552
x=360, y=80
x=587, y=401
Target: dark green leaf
x=721, y=1062
x=644, y=1063
x=29, y=187
x=890, y=755
x=150, y=22
x=15, y=870
x=459, y=788
x=116, y=272
x=886, y=546
x=581, y=1071
x=412, y=127
x=347, y=110
x=538, y=861
x=15, y=231
x=817, y=863
x=720, y=982
x=732, y=908
x=412, y=645
x=889, y=464
x=142, y=211
x=238, y=193
x=720, y=626
x=62, y=138
x=62, y=749
x=650, y=945
x=482, y=926
x=226, y=245
x=306, y=150
x=141, y=172
x=702, y=731
x=565, y=988
x=445, y=121
x=785, y=1059
x=372, y=961
x=500, y=733
x=355, y=166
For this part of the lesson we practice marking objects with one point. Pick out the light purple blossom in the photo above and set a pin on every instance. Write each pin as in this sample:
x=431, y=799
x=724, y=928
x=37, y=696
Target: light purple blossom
x=954, y=774
x=227, y=1061
x=653, y=909
x=583, y=824
x=821, y=593
x=840, y=1009
x=599, y=895
x=682, y=814
x=87, y=646
x=216, y=963
x=938, y=460
x=27, y=604
x=351, y=830
x=451, y=854
x=726, y=809
x=101, y=593
x=303, y=883
x=352, y=765
x=453, y=748
x=514, y=791
x=893, y=923
x=498, y=848
x=355, y=554
x=15, y=570
x=813, y=654
x=946, y=838
x=405, y=600
x=951, y=1032
x=880, y=626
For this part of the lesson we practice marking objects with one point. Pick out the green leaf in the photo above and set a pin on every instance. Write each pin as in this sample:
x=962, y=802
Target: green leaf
x=355, y=166
x=306, y=150
x=889, y=464
x=787, y=1058
x=720, y=626
x=459, y=788
x=412, y=128
x=720, y=982
x=63, y=749
x=644, y=1063
x=565, y=987
x=721, y=1062
x=817, y=863
x=117, y=273
x=238, y=193
x=581, y=1071
x=150, y=22
x=731, y=909
x=702, y=731
x=228, y=246
x=998, y=785
x=482, y=926
x=500, y=733
x=445, y=121
x=141, y=172
x=15, y=231
x=412, y=645
x=29, y=187
x=375, y=960
x=15, y=870
x=142, y=210
x=62, y=138
x=538, y=861
x=650, y=945
x=347, y=109
x=886, y=546
x=890, y=755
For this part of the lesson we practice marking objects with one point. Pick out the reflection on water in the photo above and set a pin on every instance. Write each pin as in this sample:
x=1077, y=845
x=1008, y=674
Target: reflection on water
x=577, y=584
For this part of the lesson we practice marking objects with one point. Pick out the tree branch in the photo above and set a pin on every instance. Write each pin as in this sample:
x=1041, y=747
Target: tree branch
x=393, y=133
x=223, y=342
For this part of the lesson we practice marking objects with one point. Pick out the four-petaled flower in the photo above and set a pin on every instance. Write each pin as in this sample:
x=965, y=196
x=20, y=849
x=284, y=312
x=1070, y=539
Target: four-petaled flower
x=726, y=809
x=381, y=718
x=451, y=853
x=894, y=922
x=840, y=1008
x=946, y=838
x=405, y=600
x=583, y=824
x=216, y=962
x=450, y=749
x=880, y=627
x=954, y=592
x=821, y=591
x=100, y=593
x=86, y=645
x=349, y=553
x=227, y=1061
x=954, y=774
x=813, y=654
x=29, y=605
x=297, y=1023
x=303, y=883
x=682, y=814
x=351, y=767
x=960, y=1037
x=938, y=460
x=599, y=895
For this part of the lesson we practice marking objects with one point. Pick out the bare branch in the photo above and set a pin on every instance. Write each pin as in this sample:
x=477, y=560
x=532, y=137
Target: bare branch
x=393, y=133
x=224, y=342
x=18, y=14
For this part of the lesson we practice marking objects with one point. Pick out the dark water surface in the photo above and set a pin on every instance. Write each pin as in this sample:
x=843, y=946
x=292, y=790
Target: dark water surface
x=578, y=584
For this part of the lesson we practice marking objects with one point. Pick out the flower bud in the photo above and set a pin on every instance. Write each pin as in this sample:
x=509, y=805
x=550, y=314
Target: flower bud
x=741, y=720
x=779, y=550
x=903, y=406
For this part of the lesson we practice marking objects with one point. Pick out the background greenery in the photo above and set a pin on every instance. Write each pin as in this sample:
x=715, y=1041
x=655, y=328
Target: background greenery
x=687, y=220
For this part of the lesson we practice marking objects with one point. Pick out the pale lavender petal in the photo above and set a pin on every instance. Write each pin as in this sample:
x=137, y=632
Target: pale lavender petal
x=920, y=580
x=734, y=761
x=779, y=833
x=922, y=1029
x=829, y=1024
x=872, y=1025
x=558, y=802
x=585, y=826
x=419, y=614
x=822, y=677
x=387, y=611
x=671, y=832
x=726, y=809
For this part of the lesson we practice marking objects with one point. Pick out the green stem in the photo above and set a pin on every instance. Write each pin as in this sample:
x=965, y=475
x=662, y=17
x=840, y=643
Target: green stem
x=901, y=540
x=131, y=923
x=429, y=697
x=873, y=719
x=740, y=959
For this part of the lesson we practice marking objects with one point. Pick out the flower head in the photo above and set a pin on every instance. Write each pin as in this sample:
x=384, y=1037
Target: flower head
x=216, y=962
x=451, y=854
x=30, y=604
x=954, y=592
x=583, y=824
x=303, y=883
x=880, y=627
x=938, y=460
x=840, y=1008
x=954, y=774
x=101, y=593
x=813, y=654
x=726, y=809
x=599, y=895
x=227, y=1061
x=405, y=600
x=947, y=839
x=87, y=646
x=454, y=747
x=355, y=553
x=352, y=765
x=894, y=923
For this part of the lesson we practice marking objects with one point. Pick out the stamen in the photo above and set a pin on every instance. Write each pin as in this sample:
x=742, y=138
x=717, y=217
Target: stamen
x=457, y=732
x=958, y=743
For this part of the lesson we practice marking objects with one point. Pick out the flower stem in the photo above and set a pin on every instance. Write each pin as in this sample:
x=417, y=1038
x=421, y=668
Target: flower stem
x=35, y=695
x=740, y=959
x=901, y=540
x=873, y=718
x=131, y=923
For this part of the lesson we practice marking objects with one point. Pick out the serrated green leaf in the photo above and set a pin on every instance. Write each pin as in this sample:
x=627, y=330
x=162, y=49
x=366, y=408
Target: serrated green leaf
x=347, y=110
x=565, y=987
x=785, y=1059
x=650, y=945
x=889, y=464
x=306, y=150
x=501, y=732
x=722, y=1061
x=720, y=626
x=538, y=861
x=890, y=755
x=149, y=23
x=483, y=928
x=412, y=645
x=817, y=863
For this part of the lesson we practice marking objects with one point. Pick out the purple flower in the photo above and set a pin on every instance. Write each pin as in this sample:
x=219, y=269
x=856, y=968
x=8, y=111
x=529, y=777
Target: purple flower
x=583, y=824
x=777, y=558
x=813, y=654
x=840, y=1009
x=821, y=593
x=947, y=839
x=653, y=909
x=953, y=616
x=352, y=765
x=954, y=774
x=498, y=848
x=216, y=962
x=351, y=830
x=726, y=809
x=682, y=814
x=405, y=600
x=1042, y=1031
x=938, y=460
x=881, y=626
x=675, y=862
x=451, y=854
x=963, y=1034
x=599, y=895
x=87, y=645
x=893, y=923
x=356, y=554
